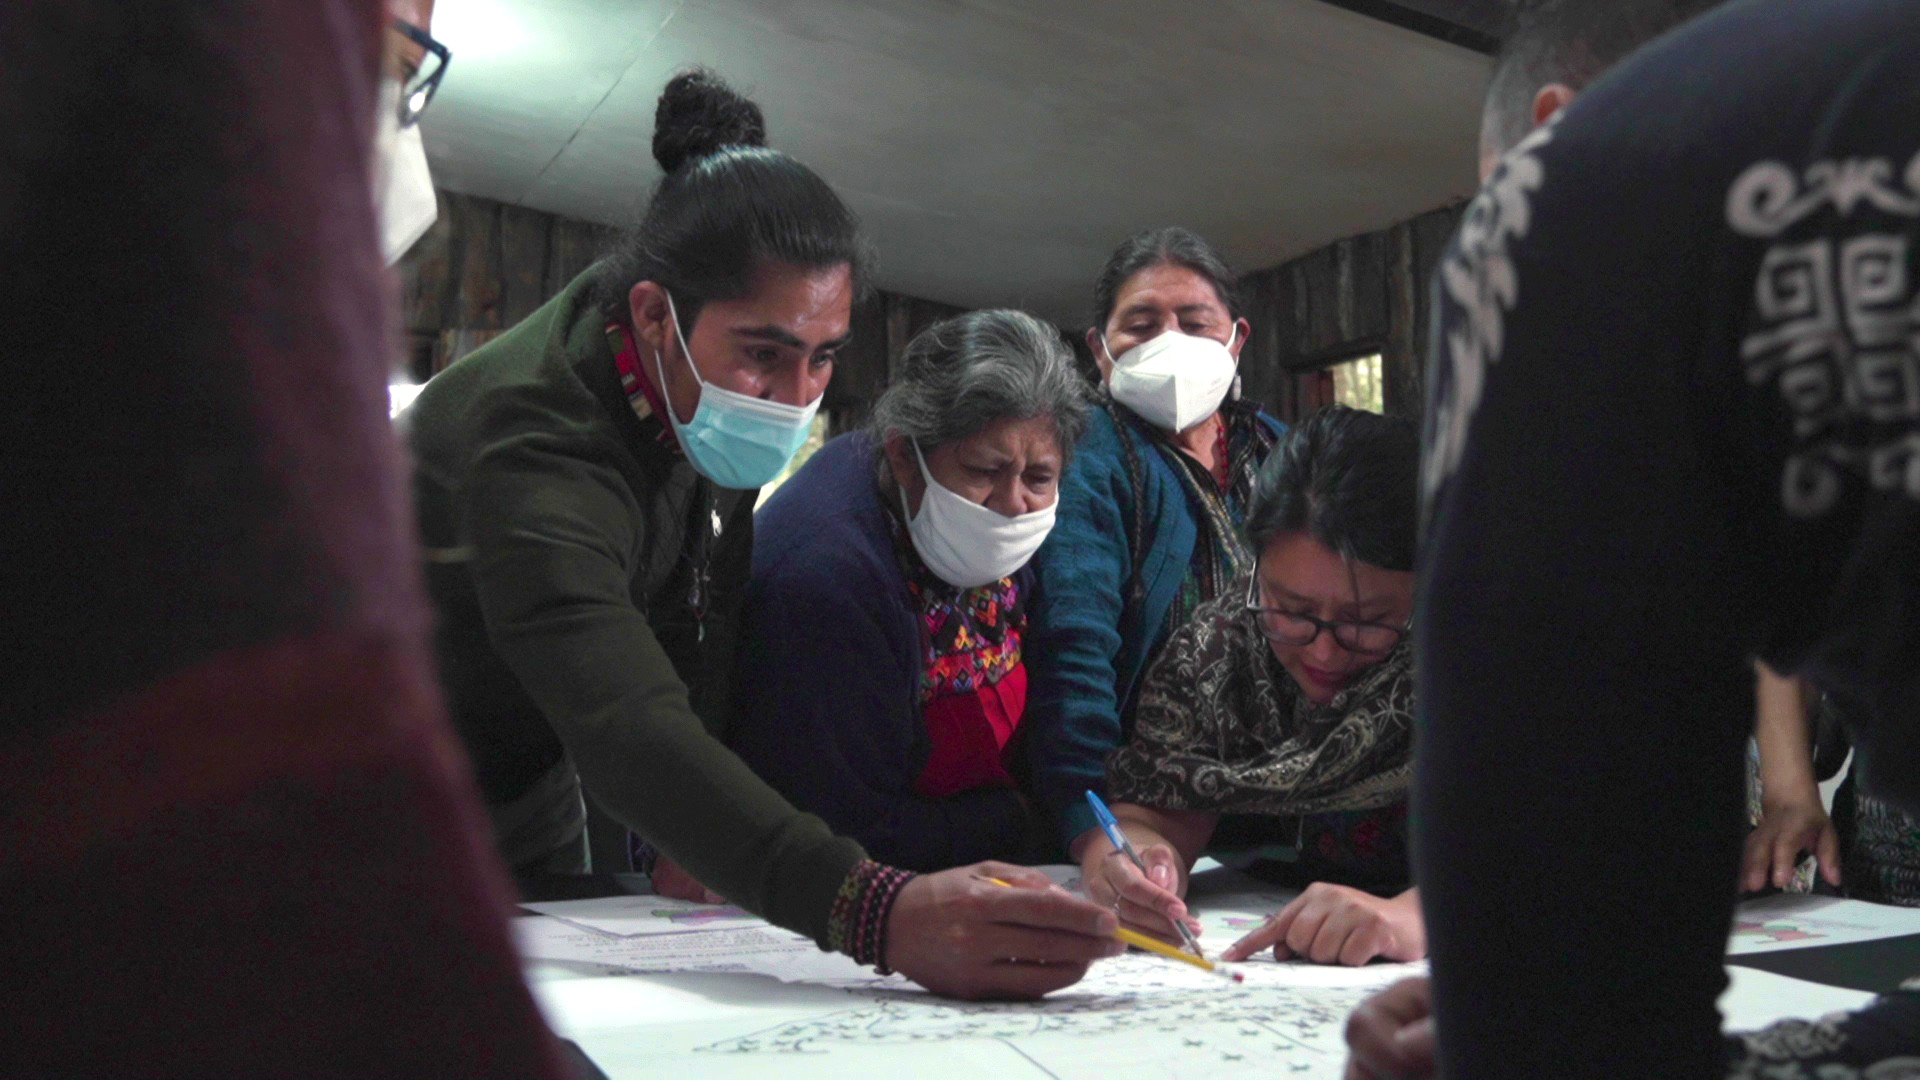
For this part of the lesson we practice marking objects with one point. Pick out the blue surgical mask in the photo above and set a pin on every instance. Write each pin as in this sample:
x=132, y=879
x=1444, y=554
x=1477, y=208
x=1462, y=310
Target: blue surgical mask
x=734, y=440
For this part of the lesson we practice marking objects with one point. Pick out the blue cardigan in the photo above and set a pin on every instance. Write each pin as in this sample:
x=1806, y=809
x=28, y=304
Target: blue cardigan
x=827, y=695
x=1084, y=660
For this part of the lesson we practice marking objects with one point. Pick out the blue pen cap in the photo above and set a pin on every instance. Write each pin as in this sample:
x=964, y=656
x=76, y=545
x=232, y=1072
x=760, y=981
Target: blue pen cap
x=1102, y=814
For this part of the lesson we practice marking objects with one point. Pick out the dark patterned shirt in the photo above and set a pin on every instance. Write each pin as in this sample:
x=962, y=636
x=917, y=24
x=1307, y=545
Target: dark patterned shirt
x=1675, y=424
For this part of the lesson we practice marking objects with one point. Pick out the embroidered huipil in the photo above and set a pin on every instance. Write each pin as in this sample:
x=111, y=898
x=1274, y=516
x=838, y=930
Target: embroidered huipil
x=869, y=692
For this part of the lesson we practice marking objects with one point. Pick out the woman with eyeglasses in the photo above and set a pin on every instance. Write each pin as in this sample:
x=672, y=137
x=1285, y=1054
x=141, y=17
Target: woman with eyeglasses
x=1282, y=713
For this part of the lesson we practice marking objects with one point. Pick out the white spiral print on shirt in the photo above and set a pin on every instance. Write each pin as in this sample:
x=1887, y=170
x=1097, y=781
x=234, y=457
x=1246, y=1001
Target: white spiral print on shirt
x=1479, y=278
x=1836, y=321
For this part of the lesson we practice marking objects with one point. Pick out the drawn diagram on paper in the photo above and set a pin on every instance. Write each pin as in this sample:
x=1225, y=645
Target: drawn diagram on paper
x=700, y=918
x=1284, y=1020
x=634, y=915
x=559, y=941
x=1772, y=932
x=1790, y=921
x=818, y=1016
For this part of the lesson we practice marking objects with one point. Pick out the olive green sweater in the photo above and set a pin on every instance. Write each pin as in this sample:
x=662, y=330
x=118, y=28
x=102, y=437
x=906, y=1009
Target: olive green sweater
x=566, y=543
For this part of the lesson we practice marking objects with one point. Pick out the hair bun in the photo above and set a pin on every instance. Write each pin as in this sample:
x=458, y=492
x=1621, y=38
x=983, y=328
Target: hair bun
x=699, y=114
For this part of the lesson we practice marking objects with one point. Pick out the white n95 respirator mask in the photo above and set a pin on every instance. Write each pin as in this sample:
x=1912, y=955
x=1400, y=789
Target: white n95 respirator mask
x=1175, y=380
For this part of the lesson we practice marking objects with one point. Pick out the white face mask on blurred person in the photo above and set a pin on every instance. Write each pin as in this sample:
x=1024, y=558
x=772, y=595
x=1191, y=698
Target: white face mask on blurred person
x=1175, y=380
x=402, y=186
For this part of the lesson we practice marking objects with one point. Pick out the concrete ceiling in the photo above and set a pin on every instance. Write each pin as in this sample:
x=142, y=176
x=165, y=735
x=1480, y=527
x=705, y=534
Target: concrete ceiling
x=996, y=149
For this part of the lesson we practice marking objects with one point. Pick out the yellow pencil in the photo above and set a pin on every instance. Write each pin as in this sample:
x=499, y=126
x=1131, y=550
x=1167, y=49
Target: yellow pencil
x=1152, y=945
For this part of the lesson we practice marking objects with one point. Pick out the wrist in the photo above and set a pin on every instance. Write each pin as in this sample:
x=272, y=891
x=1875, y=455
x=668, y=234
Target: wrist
x=1790, y=799
x=1789, y=785
x=863, y=912
x=1088, y=842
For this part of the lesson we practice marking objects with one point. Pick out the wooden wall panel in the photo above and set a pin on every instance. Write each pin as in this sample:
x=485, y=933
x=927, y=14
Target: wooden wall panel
x=882, y=326
x=426, y=275
x=524, y=237
x=1360, y=295
x=1361, y=267
x=476, y=231
x=573, y=246
x=1428, y=239
x=485, y=266
x=1261, y=374
x=861, y=372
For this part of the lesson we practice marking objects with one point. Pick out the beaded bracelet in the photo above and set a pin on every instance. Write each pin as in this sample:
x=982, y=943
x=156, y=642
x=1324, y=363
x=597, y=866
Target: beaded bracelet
x=857, y=924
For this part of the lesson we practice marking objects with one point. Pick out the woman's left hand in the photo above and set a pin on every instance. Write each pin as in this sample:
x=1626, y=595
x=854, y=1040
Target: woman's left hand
x=1336, y=924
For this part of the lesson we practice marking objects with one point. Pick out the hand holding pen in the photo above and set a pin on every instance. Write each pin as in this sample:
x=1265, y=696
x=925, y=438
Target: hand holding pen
x=1140, y=885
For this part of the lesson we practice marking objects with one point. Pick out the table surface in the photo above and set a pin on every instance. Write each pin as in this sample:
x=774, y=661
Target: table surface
x=699, y=1006
x=1874, y=966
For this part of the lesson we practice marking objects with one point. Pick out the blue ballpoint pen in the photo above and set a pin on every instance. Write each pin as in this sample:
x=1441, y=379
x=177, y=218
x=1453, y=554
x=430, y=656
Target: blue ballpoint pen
x=1119, y=840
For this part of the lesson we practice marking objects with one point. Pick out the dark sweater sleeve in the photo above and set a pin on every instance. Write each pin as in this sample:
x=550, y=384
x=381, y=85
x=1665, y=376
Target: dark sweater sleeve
x=554, y=540
x=1583, y=687
x=828, y=712
x=1659, y=442
x=1073, y=706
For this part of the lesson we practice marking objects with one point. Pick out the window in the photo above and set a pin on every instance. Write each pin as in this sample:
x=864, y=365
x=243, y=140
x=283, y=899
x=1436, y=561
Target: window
x=1360, y=383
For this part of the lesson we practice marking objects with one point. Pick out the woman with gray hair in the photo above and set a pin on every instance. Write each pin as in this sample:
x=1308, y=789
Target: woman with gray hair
x=881, y=678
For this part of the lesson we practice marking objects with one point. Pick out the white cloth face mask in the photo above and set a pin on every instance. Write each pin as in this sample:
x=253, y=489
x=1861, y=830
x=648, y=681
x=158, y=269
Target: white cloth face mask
x=1175, y=380
x=968, y=545
x=402, y=184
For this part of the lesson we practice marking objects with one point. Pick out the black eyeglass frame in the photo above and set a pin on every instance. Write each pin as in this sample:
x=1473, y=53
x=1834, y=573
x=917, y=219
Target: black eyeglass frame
x=409, y=115
x=1254, y=609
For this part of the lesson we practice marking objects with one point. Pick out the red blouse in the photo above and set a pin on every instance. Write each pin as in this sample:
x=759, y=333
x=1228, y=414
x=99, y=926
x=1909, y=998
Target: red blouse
x=973, y=686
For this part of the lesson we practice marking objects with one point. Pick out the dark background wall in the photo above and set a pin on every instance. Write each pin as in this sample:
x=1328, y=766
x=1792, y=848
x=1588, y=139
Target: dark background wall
x=1365, y=294
x=485, y=266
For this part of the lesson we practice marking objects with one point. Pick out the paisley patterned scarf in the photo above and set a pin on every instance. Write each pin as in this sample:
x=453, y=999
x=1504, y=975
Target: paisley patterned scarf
x=1221, y=727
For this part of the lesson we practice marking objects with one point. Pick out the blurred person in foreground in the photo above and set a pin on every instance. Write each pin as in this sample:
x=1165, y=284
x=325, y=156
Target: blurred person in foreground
x=236, y=835
x=1675, y=426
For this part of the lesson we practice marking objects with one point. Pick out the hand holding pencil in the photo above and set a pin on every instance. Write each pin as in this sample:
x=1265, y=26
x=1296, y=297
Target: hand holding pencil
x=957, y=935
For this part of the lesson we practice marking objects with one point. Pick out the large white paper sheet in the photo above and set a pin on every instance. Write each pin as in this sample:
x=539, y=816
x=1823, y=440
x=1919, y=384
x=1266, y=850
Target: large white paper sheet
x=631, y=915
x=1136, y=1016
x=1790, y=921
x=758, y=1002
x=552, y=941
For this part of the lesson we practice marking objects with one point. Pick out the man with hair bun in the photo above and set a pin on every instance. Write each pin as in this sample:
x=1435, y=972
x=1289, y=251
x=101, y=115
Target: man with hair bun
x=585, y=485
